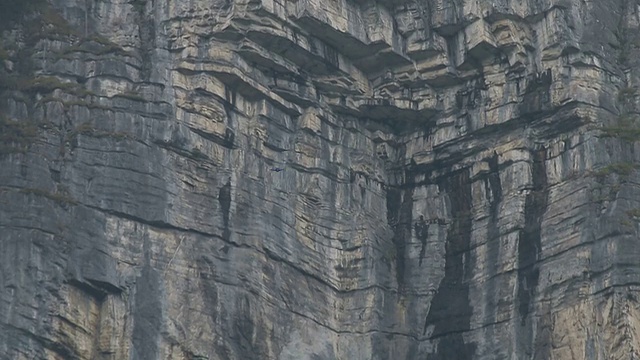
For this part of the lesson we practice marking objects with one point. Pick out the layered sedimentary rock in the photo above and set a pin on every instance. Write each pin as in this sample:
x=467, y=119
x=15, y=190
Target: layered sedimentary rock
x=458, y=183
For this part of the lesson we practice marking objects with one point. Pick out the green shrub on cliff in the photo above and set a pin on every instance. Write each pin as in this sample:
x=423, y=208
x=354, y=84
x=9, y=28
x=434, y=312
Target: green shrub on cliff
x=626, y=94
x=626, y=127
x=623, y=169
x=15, y=136
x=44, y=84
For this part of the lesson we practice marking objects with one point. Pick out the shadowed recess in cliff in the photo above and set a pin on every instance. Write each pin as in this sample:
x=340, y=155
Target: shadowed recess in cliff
x=422, y=233
x=493, y=191
x=450, y=311
x=529, y=245
x=147, y=32
x=147, y=315
x=399, y=217
x=537, y=95
x=224, y=197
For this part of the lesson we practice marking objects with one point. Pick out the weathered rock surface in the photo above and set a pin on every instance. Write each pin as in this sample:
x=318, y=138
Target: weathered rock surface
x=459, y=180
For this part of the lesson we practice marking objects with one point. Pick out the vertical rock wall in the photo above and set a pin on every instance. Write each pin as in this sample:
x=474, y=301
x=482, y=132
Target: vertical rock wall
x=458, y=180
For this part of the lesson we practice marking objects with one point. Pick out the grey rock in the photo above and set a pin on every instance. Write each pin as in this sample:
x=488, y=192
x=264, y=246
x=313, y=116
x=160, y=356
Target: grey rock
x=455, y=180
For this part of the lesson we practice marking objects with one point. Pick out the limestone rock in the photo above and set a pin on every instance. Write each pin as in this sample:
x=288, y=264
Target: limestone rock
x=305, y=179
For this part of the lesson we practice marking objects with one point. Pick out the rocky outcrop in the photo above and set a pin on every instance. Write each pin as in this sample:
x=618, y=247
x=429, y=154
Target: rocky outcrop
x=458, y=180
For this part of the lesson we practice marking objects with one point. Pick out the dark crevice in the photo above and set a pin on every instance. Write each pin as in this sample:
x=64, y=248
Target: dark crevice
x=226, y=141
x=493, y=190
x=95, y=288
x=147, y=33
x=105, y=286
x=537, y=96
x=154, y=223
x=147, y=315
x=529, y=247
x=529, y=238
x=97, y=293
x=399, y=217
x=224, y=197
x=422, y=233
x=450, y=311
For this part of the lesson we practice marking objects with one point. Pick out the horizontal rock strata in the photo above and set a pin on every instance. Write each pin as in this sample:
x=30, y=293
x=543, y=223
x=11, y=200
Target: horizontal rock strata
x=304, y=179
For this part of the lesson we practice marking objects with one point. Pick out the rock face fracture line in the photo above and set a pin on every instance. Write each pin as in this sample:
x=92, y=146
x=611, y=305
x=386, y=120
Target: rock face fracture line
x=529, y=248
x=450, y=311
x=493, y=191
x=399, y=217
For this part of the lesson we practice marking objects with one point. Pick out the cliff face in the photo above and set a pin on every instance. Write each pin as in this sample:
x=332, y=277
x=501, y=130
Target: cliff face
x=458, y=180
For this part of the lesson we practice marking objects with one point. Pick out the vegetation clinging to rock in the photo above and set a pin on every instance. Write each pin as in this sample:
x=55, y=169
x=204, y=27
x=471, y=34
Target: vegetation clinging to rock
x=12, y=11
x=623, y=169
x=15, y=137
x=61, y=197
